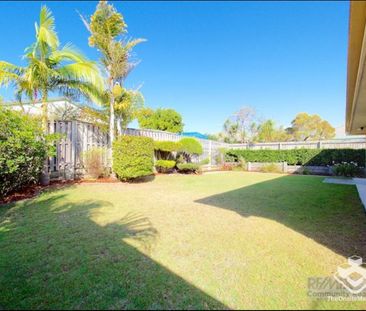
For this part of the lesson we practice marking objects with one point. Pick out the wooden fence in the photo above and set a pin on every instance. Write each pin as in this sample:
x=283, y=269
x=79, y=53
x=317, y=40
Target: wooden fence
x=78, y=137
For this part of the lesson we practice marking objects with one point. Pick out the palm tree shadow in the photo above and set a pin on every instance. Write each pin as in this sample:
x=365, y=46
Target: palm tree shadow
x=69, y=261
x=334, y=219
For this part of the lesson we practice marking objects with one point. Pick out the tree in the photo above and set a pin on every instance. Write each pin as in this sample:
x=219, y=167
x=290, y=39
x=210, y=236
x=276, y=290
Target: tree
x=161, y=119
x=268, y=132
x=310, y=127
x=238, y=128
x=51, y=68
x=127, y=107
x=106, y=25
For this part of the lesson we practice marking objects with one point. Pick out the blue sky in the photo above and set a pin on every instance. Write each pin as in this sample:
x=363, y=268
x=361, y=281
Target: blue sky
x=207, y=59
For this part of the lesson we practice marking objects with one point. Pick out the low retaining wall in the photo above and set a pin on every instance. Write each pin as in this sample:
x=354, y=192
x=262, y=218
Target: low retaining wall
x=291, y=169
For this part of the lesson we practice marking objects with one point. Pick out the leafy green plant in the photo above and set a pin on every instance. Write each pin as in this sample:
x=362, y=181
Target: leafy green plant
x=23, y=150
x=188, y=168
x=305, y=171
x=205, y=161
x=270, y=168
x=161, y=119
x=347, y=169
x=165, y=166
x=94, y=162
x=315, y=157
x=189, y=147
x=133, y=157
x=168, y=146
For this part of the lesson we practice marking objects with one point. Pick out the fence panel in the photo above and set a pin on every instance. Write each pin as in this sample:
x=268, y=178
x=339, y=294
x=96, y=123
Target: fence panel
x=79, y=137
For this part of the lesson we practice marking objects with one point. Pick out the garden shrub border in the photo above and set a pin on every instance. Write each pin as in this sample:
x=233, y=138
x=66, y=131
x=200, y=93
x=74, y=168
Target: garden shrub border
x=305, y=157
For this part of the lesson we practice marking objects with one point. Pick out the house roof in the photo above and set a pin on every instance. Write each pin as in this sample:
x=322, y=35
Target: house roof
x=56, y=99
x=356, y=80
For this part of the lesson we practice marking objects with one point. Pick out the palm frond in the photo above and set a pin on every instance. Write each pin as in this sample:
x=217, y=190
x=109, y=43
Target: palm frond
x=9, y=73
x=45, y=31
x=83, y=71
x=67, y=53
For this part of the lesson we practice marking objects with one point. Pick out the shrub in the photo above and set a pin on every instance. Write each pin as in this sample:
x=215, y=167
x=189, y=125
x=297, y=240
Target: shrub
x=133, y=157
x=205, y=161
x=94, y=162
x=270, y=168
x=187, y=168
x=190, y=146
x=23, y=149
x=165, y=166
x=350, y=169
x=316, y=157
x=167, y=146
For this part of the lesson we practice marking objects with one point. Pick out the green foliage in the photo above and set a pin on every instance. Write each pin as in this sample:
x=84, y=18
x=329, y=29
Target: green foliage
x=94, y=161
x=205, y=161
x=268, y=132
x=270, y=168
x=161, y=119
x=23, y=148
x=165, y=163
x=165, y=166
x=105, y=25
x=310, y=127
x=316, y=157
x=167, y=146
x=188, y=168
x=348, y=169
x=190, y=146
x=52, y=68
x=133, y=157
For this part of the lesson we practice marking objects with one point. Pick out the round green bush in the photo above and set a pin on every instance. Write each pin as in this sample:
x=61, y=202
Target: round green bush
x=133, y=157
x=191, y=146
x=165, y=166
x=23, y=149
x=187, y=168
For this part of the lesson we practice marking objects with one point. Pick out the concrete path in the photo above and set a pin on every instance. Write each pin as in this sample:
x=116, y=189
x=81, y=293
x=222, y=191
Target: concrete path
x=360, y=183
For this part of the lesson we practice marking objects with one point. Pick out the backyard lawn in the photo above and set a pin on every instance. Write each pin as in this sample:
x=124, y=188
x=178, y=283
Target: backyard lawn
x=219, y=240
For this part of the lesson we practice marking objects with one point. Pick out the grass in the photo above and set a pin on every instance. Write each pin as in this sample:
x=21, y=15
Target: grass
x=220, y=240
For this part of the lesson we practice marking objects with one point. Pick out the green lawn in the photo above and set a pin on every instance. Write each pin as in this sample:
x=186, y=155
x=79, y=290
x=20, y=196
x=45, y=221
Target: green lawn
x=220, y=240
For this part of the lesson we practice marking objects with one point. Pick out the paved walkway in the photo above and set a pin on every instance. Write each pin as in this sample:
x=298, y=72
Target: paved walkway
x=360, y=183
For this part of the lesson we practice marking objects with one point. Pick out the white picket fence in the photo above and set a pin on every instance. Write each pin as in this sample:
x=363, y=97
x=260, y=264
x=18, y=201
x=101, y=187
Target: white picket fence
x=78, y=136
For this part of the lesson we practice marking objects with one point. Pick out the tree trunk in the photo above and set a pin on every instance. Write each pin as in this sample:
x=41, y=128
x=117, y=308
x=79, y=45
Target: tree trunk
x=45, y=176
x=119, y=126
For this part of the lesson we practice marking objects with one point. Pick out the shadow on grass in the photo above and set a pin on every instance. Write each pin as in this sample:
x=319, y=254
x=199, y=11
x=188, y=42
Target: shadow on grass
x=332, y=215
x=53, y=255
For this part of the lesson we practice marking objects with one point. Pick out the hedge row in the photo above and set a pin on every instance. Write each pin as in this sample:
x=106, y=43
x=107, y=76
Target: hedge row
x=316, y=157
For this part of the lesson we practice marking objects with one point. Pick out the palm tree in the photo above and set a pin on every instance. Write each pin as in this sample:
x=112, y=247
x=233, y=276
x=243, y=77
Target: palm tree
x=51, y=68
x=105, y=25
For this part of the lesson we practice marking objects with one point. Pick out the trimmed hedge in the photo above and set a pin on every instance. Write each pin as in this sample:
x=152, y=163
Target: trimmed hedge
x=315, y=157
x=187, y=168
x=165, y=166
x=133, y=157
x=23, y=149
x=166, y=146
x=190, y=146
x=165, y=163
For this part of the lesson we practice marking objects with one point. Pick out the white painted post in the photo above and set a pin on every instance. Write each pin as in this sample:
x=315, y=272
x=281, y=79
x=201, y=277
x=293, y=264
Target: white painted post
x=249, y=166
